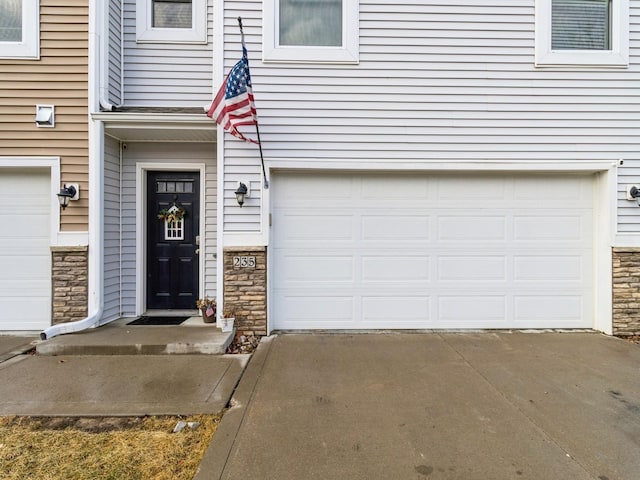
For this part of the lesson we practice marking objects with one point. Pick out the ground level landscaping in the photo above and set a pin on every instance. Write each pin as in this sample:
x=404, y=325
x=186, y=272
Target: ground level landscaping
x=145, y=448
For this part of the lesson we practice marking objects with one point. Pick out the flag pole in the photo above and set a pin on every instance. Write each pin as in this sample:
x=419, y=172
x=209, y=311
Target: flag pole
x=264, y=173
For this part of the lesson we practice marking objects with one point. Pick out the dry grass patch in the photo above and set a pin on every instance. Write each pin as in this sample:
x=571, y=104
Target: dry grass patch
x=102, y=449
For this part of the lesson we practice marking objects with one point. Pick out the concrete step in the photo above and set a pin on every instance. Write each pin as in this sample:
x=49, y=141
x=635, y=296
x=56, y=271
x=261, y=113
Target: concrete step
x=118, y=338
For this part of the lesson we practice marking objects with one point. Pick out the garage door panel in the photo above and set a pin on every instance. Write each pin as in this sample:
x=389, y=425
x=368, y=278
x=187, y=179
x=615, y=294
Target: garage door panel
x=550, y=228
x=28, y=311
x=307, y=189
x=314, y=311
x=381, y=189
x=548, y=310
x=470, y=229
x=400, y=228
x=469, y=311
x=530, y=191
x=506, y=259
x=548, y=268
x=325, y=268
x=472, y=268
x=318, y=227
x=465, y=191
x=27, y=246
x=24, y=224
x=395, y=268
x=23, y=286
x=25, y=276
x=22, y=265
x=379, y=311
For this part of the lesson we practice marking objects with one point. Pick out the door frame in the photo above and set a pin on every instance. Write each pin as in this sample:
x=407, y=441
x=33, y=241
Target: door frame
x=141, y=225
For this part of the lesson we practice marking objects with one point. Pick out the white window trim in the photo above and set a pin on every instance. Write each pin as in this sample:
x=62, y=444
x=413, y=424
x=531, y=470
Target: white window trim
x=146, y=33
x=29, y=47
x=348, y=53
x=617, y=57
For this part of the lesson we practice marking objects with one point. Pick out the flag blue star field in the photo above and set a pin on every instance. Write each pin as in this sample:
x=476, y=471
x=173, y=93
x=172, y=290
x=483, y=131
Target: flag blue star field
x=233, y=106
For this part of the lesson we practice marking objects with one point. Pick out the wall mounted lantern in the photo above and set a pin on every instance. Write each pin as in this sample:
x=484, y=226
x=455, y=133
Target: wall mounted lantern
x=68, y=192
x=241, y=193
x=633, y=193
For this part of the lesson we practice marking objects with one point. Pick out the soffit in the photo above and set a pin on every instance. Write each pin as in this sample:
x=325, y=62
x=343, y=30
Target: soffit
x=158, y=127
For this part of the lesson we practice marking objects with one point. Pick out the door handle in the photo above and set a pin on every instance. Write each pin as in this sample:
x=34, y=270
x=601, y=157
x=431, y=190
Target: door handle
x=197, y=251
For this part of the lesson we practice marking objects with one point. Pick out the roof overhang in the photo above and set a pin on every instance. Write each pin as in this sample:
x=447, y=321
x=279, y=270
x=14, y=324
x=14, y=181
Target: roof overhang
x=158, y=127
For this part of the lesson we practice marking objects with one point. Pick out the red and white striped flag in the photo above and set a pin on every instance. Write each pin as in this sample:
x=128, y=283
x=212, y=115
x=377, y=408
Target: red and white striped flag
x=233, y=106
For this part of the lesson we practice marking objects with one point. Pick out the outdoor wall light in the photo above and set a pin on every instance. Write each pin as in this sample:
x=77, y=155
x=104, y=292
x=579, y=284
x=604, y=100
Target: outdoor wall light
x=68, y=192
x=633, y=193
x=241, y=193
x=45, y=116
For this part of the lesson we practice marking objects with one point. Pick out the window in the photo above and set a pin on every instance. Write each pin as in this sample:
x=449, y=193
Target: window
x=171, y=21
x=582, y=33
x=19, y=29
x=174, y=227
x=171, y=14
x=322, y=31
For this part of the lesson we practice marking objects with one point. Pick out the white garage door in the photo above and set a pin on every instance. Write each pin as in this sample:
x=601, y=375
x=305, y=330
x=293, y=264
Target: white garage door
x=354, y=251
x=25, y=285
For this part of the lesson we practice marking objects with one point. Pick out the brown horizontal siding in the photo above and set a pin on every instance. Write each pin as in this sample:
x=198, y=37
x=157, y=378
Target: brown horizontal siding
x=58, y=78
x=36, y=68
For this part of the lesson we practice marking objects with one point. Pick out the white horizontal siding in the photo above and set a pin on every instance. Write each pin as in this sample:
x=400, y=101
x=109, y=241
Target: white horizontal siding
x=165, y=74
x=628, y=210
x=437, y=80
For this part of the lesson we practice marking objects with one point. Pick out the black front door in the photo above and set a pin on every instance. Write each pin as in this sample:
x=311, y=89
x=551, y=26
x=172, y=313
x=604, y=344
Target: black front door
x=173, y=219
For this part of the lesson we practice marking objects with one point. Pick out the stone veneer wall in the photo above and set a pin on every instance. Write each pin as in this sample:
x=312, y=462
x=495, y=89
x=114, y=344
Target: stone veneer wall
x=69, y=276
x=245, y=290
x=626, y=291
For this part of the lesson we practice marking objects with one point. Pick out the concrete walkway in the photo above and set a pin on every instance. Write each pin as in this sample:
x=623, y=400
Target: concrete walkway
x=120, y=370
x=434, y=406
x=118, y=385
x=119, y=338
x=12, y=345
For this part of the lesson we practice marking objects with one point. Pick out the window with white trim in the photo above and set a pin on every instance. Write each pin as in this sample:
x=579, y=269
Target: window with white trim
x=171, y=21
x=582, y=33
x=20, y=29
x=174, y=230
x=313, y=31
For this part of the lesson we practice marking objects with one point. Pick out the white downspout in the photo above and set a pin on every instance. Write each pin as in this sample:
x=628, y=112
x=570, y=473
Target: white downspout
x=217, y=73
x=96, y=197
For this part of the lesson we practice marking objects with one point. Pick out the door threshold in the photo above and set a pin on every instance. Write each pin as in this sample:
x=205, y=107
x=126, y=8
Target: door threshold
x=170, y=313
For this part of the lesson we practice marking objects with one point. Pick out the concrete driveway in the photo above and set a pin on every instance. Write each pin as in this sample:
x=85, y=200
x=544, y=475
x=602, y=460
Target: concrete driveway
x=434, y=406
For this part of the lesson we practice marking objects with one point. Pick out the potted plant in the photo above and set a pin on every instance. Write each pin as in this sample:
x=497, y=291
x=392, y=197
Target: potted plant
x=227, y=320
x=208, y=307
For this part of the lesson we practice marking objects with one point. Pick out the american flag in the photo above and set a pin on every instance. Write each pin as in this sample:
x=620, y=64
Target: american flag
x=233, y=106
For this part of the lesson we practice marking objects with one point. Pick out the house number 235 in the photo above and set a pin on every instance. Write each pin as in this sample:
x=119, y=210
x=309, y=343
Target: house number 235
x=244, y=262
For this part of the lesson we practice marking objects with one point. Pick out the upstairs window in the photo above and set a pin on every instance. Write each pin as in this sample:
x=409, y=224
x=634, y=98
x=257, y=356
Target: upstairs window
x=19, y=29
x=580, y=24
x=171, y=21
x=322, y=31
x=310, y=23
x=172, y=13
x=582, y=33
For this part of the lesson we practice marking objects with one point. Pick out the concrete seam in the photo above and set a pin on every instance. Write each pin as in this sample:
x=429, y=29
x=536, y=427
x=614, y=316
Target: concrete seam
x=241, y=400
x=215, y=387
x=247, y=403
